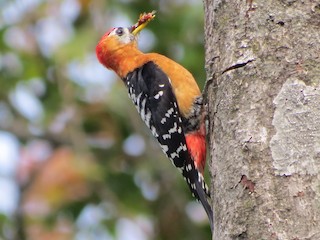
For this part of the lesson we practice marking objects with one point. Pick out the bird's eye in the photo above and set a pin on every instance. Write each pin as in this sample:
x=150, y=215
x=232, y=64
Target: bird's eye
x=119, y=31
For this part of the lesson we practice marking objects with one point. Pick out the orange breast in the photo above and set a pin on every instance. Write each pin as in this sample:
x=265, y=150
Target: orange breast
x=184, y=85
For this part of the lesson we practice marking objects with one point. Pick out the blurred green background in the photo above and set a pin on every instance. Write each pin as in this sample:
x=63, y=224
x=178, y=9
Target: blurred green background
x=76, y=161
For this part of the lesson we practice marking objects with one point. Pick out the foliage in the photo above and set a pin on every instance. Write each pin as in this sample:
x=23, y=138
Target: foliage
x=86, y=166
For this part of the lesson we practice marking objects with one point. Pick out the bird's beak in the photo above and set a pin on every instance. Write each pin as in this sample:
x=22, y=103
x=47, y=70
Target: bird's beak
x=142, y=22
x=138, y=29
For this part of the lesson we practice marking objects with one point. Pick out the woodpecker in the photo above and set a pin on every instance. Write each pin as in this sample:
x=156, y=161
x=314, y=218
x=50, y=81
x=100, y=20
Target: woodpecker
x=167, y=98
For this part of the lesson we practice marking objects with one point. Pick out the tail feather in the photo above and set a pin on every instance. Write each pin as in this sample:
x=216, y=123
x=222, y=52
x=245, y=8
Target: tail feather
x=198, y=188
x=202, y=197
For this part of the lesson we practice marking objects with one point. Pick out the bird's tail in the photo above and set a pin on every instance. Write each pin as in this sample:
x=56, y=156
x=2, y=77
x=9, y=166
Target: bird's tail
x=203, y=194
x=198, y=188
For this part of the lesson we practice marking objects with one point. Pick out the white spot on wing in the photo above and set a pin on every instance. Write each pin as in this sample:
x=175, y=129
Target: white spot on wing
x=169, y=112
x=163, y=120
x=138, y=98
x=174, y=128
x=174, y=155
x=154, y=132
x=166, y=136
x=158, y=95
x=200, y=177
x=164, y=148
x=142, y=109
x=189, y=167
x=179, y=149
x=147, y=118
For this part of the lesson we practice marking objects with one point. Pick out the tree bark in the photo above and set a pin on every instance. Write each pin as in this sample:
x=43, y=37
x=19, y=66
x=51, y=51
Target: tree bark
x=263, y=66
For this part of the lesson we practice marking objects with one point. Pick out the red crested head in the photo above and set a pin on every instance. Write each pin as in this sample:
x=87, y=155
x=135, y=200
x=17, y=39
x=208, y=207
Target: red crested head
x=112, y=44
x=120, y=44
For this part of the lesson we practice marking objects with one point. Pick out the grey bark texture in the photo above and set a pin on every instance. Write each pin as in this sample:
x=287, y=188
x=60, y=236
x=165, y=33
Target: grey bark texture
x=263, y=95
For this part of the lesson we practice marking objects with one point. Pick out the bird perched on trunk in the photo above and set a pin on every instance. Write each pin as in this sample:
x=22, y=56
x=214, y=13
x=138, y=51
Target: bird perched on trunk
x=167, y=98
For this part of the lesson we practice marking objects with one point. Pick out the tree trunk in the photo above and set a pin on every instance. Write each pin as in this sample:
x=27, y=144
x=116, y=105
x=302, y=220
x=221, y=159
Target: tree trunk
x=263, y=62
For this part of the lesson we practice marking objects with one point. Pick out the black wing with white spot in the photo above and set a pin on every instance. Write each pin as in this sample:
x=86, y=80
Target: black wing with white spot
x=151, y=92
